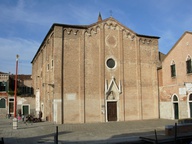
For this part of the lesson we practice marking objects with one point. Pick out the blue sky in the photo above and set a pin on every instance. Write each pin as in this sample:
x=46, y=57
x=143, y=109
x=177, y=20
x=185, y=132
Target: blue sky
x=24, y=23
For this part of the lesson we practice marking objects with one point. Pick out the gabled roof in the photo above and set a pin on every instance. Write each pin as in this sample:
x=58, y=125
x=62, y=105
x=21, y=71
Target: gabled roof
x=112, y=19
x=86, y=27
x=178, y=42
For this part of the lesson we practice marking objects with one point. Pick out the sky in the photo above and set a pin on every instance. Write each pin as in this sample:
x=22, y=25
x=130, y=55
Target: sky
x=25, y=23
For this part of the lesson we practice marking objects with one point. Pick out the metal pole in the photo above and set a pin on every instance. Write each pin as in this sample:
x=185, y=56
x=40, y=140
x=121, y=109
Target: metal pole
x=15, y=96
x=156, y=142
x=15, y=92
x=175, y=140
x=56, y=135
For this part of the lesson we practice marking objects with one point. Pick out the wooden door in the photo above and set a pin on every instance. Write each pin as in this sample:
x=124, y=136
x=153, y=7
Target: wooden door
x=112, y=111
x=11, y=107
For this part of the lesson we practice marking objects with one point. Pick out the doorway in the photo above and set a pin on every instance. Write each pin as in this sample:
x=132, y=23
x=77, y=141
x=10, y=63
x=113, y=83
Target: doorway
x=175, y=107
x=112, y=111
x=11, y=106
x=190, y=105
x=176, y=110
x=25, y=110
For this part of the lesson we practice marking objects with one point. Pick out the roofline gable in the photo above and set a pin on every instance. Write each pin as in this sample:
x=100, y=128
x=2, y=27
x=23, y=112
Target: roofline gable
x=125, y=27
x=177, y=42
x=86, y=27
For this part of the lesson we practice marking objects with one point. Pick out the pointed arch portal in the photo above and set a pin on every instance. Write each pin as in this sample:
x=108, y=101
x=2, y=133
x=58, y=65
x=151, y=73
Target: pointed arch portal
x=175, y=107
x=112, y=92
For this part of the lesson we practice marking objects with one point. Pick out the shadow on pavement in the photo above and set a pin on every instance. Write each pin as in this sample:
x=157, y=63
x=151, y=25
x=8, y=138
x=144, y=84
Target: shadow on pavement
x=49, y=138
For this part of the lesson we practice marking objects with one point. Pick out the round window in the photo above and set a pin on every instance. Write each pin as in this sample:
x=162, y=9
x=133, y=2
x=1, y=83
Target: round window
x=110, y=63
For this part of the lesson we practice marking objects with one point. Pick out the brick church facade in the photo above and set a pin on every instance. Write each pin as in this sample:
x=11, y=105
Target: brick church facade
x=96, y=73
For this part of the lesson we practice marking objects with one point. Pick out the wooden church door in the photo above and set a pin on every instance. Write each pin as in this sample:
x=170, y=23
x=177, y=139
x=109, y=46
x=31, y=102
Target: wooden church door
x=112, y=111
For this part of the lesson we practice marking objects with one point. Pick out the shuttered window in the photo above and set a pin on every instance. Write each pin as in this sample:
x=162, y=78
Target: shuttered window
x=2, y=103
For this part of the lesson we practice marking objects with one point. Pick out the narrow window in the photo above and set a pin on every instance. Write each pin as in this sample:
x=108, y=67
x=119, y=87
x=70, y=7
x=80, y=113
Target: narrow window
x=52, y=63
x=173, y=72
x=175, y=107
x=173, y=69
x=47, y=66
x=2, y=86
x=189, y=66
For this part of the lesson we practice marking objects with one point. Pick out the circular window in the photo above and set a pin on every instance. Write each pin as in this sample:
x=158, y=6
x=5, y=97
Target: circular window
x=110, y=63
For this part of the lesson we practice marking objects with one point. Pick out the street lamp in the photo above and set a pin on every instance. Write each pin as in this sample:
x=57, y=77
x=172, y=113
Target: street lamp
x=15, y=96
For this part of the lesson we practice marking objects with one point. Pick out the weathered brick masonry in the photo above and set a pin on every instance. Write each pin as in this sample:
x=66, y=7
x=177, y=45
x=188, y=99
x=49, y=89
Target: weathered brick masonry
x=96, y=73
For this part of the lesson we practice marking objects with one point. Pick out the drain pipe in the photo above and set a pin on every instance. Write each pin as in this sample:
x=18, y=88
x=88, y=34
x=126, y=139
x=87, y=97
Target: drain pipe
x=158, y=93
x=62, y=77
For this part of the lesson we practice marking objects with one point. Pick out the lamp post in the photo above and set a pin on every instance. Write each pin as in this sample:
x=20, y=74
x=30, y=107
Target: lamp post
x=15, y=96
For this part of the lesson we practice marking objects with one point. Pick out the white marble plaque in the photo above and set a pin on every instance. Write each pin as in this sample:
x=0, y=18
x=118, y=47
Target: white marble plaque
x=188, y=86
x=182, y=91
x=71, y=96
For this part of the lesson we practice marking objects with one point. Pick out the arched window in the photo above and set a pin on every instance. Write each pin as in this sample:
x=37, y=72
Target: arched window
x=2, y=103
x=175, y=99
x=189, y=65
x=173, y=69
x=190, y=97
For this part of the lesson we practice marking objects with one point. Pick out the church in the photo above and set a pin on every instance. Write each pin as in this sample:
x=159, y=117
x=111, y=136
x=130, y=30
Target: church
x=96, y=73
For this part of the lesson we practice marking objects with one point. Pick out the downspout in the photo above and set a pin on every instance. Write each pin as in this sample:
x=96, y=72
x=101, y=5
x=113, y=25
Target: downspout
x=84, y=78
x=103, y=56
x=140, y=80
x=158, y=94
x=122, y=65
x=62, y=77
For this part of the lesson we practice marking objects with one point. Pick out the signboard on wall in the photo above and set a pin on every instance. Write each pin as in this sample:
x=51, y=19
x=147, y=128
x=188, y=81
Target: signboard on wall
x=188, y=87
x=37, y=100
x=71, y=96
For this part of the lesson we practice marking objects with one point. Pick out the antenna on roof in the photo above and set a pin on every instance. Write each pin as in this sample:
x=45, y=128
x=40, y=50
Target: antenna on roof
x=111, y=13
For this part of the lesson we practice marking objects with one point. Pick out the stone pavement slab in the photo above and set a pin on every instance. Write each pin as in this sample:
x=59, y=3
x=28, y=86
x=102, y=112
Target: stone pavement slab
x=111, y=132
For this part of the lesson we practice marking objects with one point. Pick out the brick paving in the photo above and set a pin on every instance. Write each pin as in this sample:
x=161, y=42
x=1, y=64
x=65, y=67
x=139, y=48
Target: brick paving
x=111, y=132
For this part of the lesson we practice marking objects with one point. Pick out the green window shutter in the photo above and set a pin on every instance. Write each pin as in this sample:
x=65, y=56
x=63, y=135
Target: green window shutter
x=2, y=103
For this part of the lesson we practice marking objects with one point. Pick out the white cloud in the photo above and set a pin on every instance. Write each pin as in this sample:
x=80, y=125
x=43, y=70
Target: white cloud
x=26, y=22
x=9, y=48
x=22, y=13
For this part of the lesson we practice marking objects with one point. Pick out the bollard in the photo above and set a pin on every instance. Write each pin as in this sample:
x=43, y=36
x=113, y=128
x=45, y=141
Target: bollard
x=2, y=141
x=156, y=142
x=56, y=136
x=15, y=123
x=175, y=139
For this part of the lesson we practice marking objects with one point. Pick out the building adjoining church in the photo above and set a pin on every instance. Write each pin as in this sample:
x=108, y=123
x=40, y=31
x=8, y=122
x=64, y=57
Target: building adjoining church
x=25, y=98
x=176, y=80
x=96, y=73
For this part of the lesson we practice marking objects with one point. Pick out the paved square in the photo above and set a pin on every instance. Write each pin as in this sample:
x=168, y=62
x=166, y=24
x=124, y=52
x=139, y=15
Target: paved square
x=112, y=132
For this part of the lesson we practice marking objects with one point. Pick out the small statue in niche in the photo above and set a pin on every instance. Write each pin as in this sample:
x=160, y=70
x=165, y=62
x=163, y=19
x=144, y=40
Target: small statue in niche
x=111, y=96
